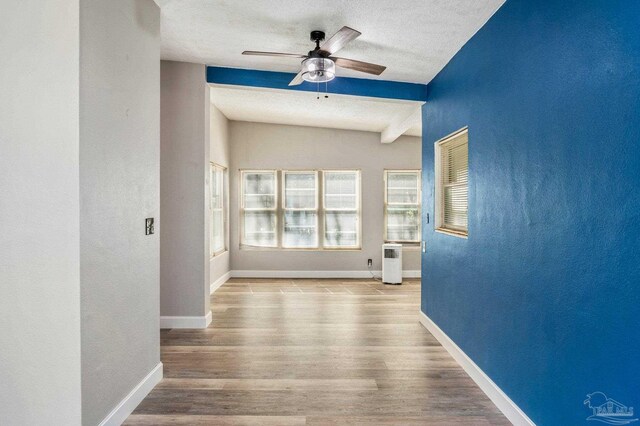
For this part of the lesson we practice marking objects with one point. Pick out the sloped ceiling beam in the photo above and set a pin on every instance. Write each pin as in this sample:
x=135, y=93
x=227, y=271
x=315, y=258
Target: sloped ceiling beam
x=401, y=124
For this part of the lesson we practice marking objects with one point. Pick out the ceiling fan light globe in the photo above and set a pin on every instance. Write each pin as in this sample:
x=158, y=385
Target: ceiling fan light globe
x=318, y=70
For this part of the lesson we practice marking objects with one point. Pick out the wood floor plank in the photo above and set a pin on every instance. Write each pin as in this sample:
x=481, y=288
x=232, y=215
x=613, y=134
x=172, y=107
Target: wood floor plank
x=196, y=420
x=315, y=352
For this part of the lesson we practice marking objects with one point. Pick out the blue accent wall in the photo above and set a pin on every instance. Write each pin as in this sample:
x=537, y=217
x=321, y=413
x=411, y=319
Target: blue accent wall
x=340, y=85
x=544, y=294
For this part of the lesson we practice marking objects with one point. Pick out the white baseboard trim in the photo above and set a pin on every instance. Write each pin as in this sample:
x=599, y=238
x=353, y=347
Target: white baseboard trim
x=217, y=283
x=315, y=274
x=511, y=411
x=120, y=413
x=186, y=322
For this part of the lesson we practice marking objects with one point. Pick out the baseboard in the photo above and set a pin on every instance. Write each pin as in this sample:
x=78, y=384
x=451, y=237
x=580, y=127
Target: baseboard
x=315, y=274
x=186, y=322
x=495, y=394
x=120, y=413
x=217, y=283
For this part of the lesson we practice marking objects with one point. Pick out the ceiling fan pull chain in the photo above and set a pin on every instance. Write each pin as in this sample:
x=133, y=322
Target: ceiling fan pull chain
x=318, y=91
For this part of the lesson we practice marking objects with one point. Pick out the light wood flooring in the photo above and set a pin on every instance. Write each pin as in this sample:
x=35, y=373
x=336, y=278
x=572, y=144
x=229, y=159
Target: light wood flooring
x=312, y=352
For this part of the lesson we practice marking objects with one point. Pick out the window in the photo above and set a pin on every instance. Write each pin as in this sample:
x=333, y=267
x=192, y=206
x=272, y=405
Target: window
x=402, y=206
x=452, y=172
x=259, y=208
x=341, y=209
x=217, y=237
x=300, y=204
x=318, y=209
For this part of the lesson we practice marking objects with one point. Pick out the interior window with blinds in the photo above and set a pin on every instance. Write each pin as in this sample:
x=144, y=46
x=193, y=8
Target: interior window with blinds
x=300, y=205
x=402, y=206
x=452, y=187
x=259, y=208
x=341, y=209
x=217, y=240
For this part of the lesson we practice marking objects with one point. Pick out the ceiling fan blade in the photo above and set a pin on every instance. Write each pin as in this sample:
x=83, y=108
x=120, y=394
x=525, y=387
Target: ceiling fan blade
x=339, y=40
x=297, y=79
x=352, y=64
x=285, y=55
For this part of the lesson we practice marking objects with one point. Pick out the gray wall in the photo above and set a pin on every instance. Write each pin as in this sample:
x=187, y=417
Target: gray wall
x=39, y=258
x=219, y=154
x=119, y=188
x=270, y=146
x=184, y=171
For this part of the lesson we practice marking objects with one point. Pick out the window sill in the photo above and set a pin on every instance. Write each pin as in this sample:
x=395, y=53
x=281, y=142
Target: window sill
x=250, y=248
x=453, y=233
x=414, y=245
x=216, y=254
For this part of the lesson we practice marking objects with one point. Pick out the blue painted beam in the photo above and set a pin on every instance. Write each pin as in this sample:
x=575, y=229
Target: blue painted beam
x=340, y=85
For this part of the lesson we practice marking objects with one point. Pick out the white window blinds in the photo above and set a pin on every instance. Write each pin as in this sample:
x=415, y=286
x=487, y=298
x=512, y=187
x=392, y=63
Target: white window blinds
x=453, y=186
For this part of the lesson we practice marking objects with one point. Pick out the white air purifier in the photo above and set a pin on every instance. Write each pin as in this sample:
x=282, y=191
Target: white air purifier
x=392, y=263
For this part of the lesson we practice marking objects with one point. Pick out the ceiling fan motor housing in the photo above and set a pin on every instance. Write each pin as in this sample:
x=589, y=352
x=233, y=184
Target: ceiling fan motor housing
x=317, y=36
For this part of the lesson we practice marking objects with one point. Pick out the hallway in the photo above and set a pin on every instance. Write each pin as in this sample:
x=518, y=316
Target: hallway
x=292, y=352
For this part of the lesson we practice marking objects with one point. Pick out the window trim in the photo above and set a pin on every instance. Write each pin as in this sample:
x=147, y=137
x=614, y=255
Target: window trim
x=242, y=209
x=358, y=210
x=408, y=243
x=439, y=185
x=284, y=207
x=279, y=174
x=223, y=196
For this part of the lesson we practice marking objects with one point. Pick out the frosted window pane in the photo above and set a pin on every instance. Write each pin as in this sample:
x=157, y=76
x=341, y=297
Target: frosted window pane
x=217, y=234
x=300, y=229
x=403, y=223
x=300, y=190
x=217, y=228
x=340, y=190
x=341, y=229
x=259, y=190
x=402, y=188
x=260, y=228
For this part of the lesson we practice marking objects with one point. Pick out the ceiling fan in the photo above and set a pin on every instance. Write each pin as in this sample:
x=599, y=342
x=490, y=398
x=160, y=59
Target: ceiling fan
x=319, y=65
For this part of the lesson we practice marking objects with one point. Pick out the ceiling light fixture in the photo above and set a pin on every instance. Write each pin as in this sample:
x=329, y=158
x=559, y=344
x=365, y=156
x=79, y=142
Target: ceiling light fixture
x=318, y=70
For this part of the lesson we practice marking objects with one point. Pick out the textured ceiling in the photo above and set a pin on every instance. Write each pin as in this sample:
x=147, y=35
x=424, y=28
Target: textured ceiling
x=414, y=38
x=303, y=109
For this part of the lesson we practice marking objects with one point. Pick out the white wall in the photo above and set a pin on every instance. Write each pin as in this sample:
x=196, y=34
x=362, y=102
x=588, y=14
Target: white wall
x=185, y=145
x=119, y=188
x=220, y=264
x=39, y=254
x=271, y=146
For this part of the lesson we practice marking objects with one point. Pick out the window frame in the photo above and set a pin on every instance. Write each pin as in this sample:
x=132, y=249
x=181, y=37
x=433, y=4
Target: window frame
x=441, y=147
x=410, y=243
x=215, y=167
x=243, y=209
x=284, y=209
x=280, y=210
x=357, y=210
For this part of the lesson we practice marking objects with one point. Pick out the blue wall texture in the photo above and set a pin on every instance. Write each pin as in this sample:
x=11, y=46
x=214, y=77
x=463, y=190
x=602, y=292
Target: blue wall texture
x=340, y=85
x=544, y=295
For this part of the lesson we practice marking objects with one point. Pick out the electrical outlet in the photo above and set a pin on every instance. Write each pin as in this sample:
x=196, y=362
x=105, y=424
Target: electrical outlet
x=424, y=246
x=370, y=263
x=148, y=226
